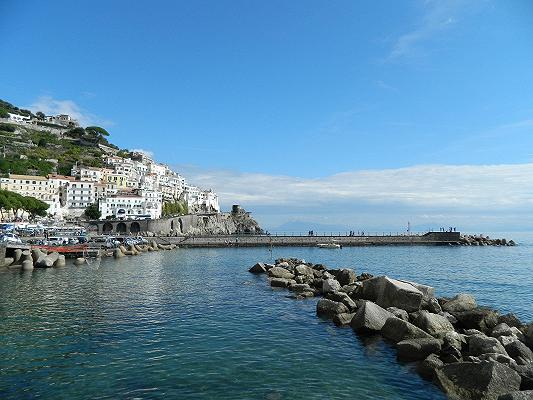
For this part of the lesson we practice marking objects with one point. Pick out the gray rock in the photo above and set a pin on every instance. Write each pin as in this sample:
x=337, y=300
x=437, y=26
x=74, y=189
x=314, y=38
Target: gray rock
x=330, y=285
x=453, y=339
x=528, y=335
x=516, y=395
x=397, y=329
x=417, y=349
x=345, y=276
x=461, y=302
x=281, y=282
x=428, y=292
x=426, y=368
x=329, y=308
x=433, y=306
x=343, y=319
x=300, y=288
x=278, y=272
x=526, y=374
x=475, y=381
x=519, y=352
x=481, y=344
x=518, y=334
x=303, y=269
x=449, y=317
x=481, y=318
x=470, y=332
x=510, y=319
x=372, y=288
x=399, y=294
x=399, y=313
x=343, y=298
x=434, y=324
x=505, y=340
x=502, y=329
x=258, y=268
x=369, y=318
x=498, y=358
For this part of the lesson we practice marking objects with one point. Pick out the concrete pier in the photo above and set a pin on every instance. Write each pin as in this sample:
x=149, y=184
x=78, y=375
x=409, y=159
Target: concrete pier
x=428, y=239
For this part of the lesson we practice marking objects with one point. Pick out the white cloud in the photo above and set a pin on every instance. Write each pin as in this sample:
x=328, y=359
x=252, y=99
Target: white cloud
x=437, y=17
x=51, y=106
x=462, y=187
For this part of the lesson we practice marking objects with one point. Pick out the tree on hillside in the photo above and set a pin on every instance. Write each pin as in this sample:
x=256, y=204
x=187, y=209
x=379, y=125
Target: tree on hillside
x=92, y=211
x=3, y=113
x=40, y=115
x=76, y=133
x=97, y=130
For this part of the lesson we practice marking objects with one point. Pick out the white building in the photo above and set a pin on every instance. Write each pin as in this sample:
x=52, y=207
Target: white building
x=19, y=118
x=79, y=195
x=131, y=205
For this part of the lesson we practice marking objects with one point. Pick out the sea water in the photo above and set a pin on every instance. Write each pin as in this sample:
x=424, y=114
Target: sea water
x=195, y=324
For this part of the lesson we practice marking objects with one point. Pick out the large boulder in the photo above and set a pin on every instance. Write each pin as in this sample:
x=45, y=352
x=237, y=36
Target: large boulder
x=481, y=318
x=434, y=324
x=278, y=272
x=461, y=302
x=519, y=352
x=526, y=374
x=426, y=368
x=475, y=381
x=329, y=308
x=345, y=276
x=330, y=285
x=343, y=298
x=510, y=319
x=399, y=294
x=258, y=268
x=300, y=288
x=305, y=270
x=398, y=313
x=502, y=329
x=397, y=329
x=481, y=344
x=428, y=292
x=517, y=395
x=343, y=319
x=369, y=318
x=417, y=349
x=281, y=282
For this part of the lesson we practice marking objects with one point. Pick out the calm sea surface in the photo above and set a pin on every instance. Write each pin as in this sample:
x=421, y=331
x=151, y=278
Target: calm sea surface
x=193, y=323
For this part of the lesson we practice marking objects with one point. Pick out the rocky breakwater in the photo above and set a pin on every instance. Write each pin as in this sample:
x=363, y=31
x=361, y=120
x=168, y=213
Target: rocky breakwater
x=27, y=260
x=481, y=240
x=469, y=351
x=135, y=249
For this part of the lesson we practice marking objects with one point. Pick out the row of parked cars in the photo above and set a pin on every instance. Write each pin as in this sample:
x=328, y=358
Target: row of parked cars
x=112, y=241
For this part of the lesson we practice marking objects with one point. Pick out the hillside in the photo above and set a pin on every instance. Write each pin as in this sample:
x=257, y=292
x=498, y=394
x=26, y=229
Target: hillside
x=40, y=150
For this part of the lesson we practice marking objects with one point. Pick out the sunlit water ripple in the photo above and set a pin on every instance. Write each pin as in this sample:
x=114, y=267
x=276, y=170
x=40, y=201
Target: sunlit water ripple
x=193, y=323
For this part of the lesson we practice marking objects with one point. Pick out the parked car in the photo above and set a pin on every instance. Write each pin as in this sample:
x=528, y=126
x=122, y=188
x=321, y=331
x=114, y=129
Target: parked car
x=10, y=238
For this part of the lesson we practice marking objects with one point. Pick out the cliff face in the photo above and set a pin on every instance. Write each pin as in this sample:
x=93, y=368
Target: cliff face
x=224, y=224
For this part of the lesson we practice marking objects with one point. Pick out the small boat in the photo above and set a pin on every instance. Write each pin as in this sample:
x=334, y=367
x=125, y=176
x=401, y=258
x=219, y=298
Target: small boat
x=329, y=245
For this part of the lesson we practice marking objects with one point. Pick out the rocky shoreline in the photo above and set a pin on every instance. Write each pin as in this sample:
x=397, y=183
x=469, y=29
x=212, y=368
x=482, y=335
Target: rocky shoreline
x=469, y=351
x=27, y=260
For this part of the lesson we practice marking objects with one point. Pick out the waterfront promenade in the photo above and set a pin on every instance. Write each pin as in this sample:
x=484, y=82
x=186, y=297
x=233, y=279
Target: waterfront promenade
x=430, y=238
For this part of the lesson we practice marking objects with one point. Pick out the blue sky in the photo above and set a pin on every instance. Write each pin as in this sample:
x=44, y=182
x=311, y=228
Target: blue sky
x=255, y=97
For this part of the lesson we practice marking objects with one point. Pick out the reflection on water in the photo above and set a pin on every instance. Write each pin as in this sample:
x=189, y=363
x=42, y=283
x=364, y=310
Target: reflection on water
x=195, y=324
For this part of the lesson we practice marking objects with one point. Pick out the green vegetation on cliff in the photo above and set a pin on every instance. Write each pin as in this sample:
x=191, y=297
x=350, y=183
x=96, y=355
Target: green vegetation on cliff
x=27, y=149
